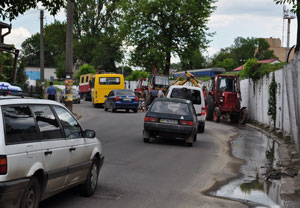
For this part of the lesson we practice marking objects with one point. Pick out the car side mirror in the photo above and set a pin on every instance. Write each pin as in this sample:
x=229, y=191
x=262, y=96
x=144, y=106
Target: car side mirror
x=90, y=134
x=105, y=96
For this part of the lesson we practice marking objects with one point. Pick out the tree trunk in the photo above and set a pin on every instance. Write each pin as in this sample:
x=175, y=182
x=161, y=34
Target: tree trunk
x=168, y=63
x=298, y=27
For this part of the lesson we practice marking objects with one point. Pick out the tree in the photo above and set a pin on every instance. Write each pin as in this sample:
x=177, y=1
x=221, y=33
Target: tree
x=137, y=74
x=96, y=35
x=163, y=27
x=228, y=64
x=12, y=8
x=85, y=69
x=192, y=59
x=55, y=36
x=296, y=10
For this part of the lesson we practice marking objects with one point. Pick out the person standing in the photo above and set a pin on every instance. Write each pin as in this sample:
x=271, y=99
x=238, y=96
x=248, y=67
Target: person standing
x=51, y=92
x=160, y=93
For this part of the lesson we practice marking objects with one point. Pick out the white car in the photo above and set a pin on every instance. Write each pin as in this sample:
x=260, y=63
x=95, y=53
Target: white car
x=44, y=150
x=194, y=94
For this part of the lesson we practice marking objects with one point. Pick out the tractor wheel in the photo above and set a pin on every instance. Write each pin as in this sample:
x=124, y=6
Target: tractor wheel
x=244, y=117
x=217, y=114
x=210, y=108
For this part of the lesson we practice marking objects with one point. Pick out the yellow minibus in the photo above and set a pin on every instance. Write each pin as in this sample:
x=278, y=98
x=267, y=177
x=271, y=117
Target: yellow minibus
x=102, y=84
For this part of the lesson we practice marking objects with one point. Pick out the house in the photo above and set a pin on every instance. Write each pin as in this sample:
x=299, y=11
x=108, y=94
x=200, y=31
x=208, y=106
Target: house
x=267, y=61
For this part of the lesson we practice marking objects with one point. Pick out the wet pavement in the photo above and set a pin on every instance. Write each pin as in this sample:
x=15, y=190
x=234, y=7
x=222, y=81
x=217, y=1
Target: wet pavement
x=260, y=155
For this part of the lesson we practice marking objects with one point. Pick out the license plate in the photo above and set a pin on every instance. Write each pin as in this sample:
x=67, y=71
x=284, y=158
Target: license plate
x=169, y=121
x=126, y=99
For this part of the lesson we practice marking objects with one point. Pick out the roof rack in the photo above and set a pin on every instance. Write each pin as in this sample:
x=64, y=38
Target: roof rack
x=22, y=94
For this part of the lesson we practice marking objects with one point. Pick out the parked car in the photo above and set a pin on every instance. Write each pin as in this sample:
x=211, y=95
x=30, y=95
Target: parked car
x=194, y=94
x=44, y=150
x=76, y=96
x=171, y=117
x=121, y=99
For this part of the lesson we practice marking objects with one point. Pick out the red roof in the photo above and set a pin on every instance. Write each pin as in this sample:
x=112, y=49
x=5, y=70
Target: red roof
x=267, y=61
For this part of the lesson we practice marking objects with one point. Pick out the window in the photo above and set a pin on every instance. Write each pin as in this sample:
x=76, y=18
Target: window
x=167, y=107
x=47, y=122
x=20, y=126
x=87, y=79
x=109, y=80
x=82, y=80
x=70, y=125
x=125, y=92
x=189, y=94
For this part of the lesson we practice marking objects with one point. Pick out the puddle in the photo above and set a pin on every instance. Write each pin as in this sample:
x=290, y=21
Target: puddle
x=261, y=155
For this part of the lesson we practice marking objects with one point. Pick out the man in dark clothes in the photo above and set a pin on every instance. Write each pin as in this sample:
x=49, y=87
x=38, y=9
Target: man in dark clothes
x=51, y=92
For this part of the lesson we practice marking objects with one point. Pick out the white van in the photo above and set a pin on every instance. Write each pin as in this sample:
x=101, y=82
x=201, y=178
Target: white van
x=194, y=94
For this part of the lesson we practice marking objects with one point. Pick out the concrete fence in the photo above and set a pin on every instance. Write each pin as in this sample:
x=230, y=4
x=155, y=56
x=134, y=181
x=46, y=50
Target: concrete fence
x=255, y=96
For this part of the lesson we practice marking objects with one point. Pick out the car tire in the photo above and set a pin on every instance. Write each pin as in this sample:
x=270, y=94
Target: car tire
x=112, y=108
x=135, y=110
x=32, y=194
x=89, y=187
x=105, y=108
x=210, y=108
x=146, y=140
x=195, y=137
x=189, y=144
x=201, y=127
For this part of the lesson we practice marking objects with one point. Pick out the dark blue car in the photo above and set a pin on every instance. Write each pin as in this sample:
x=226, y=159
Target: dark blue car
x=121, y=99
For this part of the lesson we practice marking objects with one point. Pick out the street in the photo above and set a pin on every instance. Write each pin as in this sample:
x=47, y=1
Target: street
x=164, y=173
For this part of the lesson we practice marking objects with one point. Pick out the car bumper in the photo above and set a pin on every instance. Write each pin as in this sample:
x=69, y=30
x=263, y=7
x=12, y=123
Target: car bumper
x=169, y=129
x=11, y=192
x=127, y=105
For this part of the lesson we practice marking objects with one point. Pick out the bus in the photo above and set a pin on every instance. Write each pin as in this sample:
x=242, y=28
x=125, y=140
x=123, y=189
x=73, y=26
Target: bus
x=85, y=86
x=102, y=84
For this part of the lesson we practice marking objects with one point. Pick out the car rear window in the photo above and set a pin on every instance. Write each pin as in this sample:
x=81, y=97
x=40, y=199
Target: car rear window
x=188, y=94
x=20, y=126
x=168, y=107
x=109, y=80
x=125, y=92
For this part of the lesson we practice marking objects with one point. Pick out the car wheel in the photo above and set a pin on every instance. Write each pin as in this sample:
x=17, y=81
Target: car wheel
x=32, y=194
x=189, y=144
x=112, y=108
x=105, y=108
x=135, y=110
x=201, y=127
x=195, y=137
x=89, y=187
x=146, y=140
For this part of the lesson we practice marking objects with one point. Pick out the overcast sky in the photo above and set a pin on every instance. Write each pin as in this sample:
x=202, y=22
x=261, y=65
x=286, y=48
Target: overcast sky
x=231, y=19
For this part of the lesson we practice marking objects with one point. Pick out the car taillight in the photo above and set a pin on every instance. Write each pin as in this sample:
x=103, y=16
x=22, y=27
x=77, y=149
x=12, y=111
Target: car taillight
x=136, y=98
x=3, y=165
x=117, y=98
x=150, y=119
x=202, y=111
x=186, y=123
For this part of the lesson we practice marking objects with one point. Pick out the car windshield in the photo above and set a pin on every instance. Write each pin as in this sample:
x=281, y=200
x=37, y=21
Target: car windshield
x=125, y=92
x=185, y=93
x=168, y=107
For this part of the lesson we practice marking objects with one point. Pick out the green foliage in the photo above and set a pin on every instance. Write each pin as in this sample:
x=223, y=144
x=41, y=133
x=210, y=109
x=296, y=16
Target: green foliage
x=85, y=69
x=227, y=63
x=192, y=59
x=136, y=74
x=11, y=9
x=242, y=50
x=157, y=29
x=6, y=69
x=254, y=70
x=272, y=109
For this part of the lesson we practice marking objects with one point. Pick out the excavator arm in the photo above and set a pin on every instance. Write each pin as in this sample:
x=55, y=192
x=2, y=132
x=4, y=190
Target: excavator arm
x=189, y=77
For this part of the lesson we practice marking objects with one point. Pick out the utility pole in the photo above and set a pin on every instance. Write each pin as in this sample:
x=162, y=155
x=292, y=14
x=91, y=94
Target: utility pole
x=289, y=17
x=69, y=56
x=42, y=48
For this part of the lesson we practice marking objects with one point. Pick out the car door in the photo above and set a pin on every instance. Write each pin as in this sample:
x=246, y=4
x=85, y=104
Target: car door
x=78, y=156
x=54, y=145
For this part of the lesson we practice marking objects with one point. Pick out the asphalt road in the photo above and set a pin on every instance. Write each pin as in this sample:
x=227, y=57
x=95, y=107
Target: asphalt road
x=164, y=173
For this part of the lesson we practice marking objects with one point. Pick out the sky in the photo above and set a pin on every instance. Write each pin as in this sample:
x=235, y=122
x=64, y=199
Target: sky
x=231, y=19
